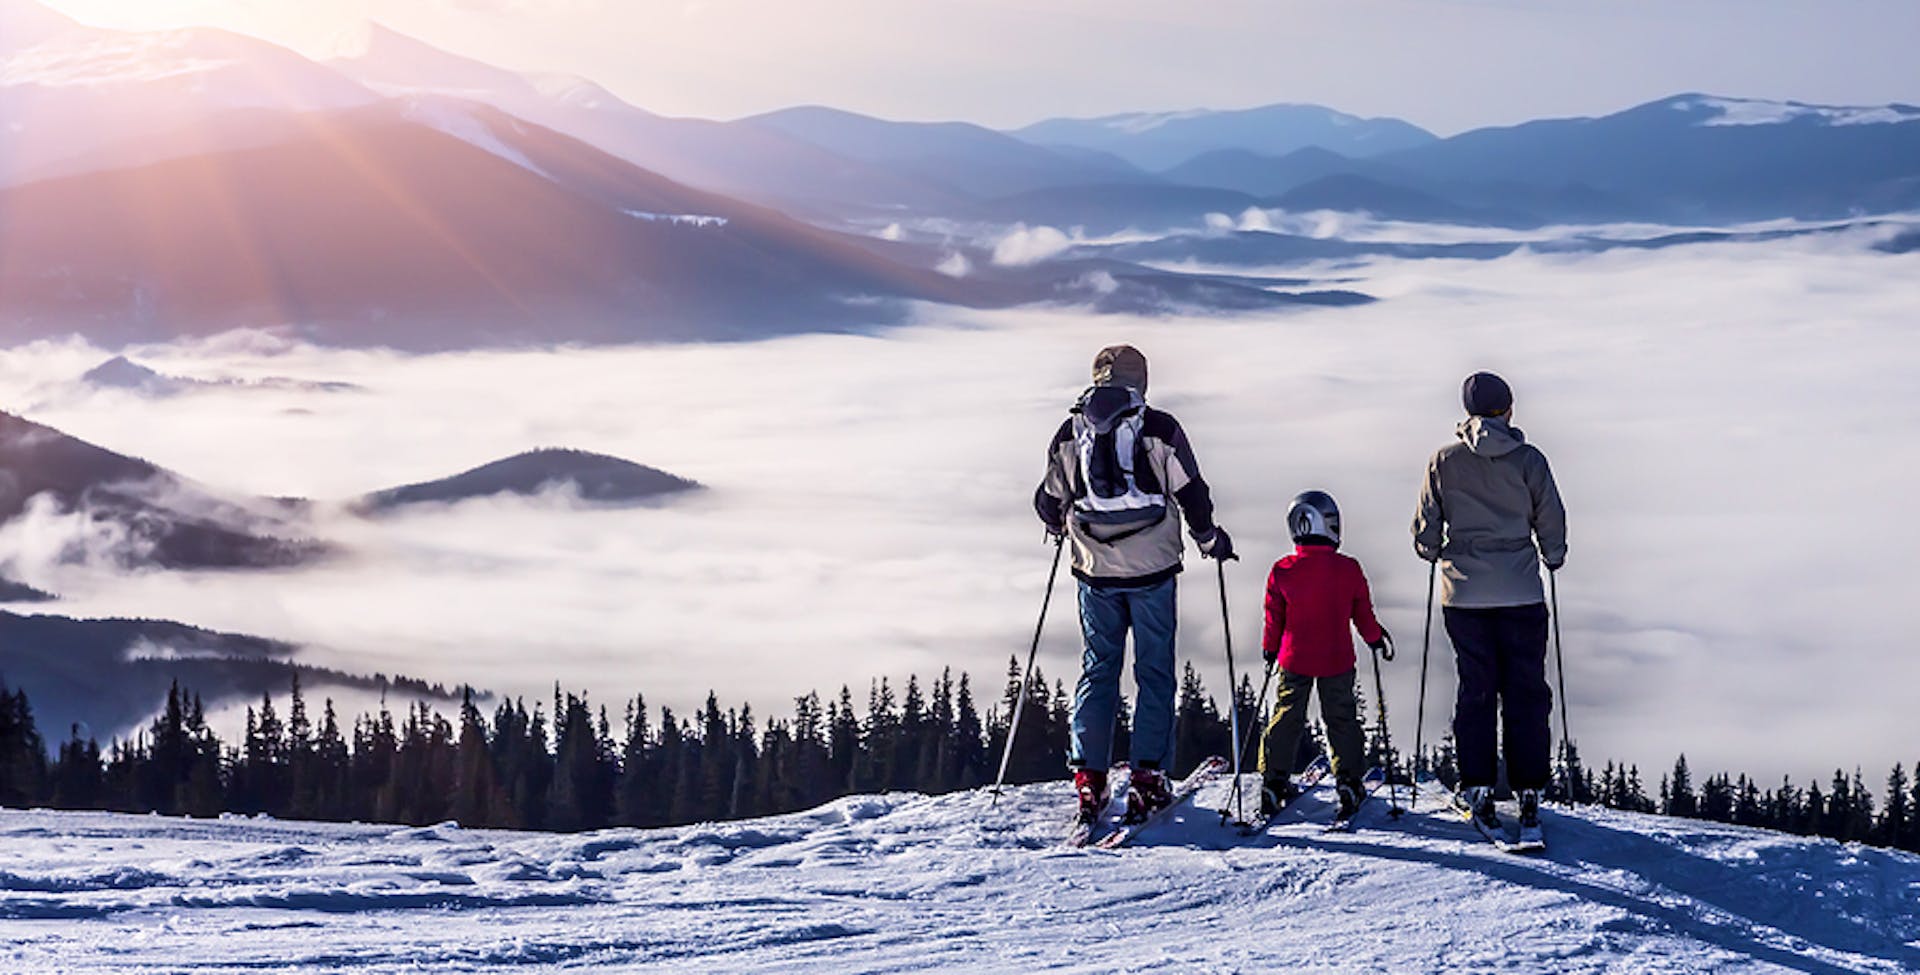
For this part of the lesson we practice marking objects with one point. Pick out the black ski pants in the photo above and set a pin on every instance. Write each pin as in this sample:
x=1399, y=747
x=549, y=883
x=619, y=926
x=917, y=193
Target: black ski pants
x=1501, y=653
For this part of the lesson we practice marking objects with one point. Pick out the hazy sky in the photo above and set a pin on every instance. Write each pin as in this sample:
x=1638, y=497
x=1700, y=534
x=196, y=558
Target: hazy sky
x=1445, y=64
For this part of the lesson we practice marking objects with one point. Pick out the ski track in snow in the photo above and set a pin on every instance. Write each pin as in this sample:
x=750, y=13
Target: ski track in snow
x=904, y=882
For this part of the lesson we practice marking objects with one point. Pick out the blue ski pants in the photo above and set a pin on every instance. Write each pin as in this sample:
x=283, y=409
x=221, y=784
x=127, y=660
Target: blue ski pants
x=1107, y=614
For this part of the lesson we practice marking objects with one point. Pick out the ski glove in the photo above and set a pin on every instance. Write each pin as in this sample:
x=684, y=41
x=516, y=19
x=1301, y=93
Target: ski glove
x=1216, y=544
x=1052, y=512
x=1384, y=645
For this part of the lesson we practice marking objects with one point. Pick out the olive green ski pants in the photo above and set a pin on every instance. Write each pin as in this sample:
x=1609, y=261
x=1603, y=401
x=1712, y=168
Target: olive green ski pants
x=1340, y=711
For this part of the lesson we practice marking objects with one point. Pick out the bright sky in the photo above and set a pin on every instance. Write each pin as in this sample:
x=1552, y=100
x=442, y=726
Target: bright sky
x=1445, y=64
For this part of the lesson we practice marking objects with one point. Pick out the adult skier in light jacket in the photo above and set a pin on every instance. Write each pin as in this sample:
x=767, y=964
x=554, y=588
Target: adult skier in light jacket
x=1120, y=477
x=1490, y=515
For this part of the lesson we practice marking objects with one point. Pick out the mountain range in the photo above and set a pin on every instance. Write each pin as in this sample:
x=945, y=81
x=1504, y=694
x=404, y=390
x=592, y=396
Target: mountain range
x=179, y=183
x=124, y=511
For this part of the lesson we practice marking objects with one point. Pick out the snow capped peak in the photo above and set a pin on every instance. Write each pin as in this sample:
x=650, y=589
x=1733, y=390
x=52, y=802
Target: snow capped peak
x=370, y=39
x=113, y=57
x=204, y=64
x=24, y=23
x=1138, y=122
x=1753, y=111
x=575, y=91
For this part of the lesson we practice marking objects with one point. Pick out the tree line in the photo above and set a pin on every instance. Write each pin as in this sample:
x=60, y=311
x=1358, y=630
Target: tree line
x=568, y=765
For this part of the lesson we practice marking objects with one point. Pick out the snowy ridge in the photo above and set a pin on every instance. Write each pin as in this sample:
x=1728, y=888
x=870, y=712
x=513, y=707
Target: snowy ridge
x=1749, y=111
x=679, y=219
x=906, y=882
x=457, y=119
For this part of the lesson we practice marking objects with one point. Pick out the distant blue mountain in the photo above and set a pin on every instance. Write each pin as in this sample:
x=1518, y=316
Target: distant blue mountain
x=970, y=159
x=1691, y=157
x=1348, y=192
x=1267, y=249
x=1161, y=140
x=1262, y=175
x=594, y=477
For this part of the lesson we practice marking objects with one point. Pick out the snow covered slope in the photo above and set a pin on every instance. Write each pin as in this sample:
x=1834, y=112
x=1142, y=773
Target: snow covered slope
x=903, y=882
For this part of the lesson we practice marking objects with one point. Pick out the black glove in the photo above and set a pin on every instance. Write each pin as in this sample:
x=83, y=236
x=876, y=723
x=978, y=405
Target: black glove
x=1384, y=645
x=1052, y=512
x=1216, y=544
x=1554, y=566
x=1270, y=656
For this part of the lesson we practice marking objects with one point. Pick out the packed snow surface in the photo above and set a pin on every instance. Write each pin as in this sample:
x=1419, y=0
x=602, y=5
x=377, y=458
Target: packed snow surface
x=903, y=882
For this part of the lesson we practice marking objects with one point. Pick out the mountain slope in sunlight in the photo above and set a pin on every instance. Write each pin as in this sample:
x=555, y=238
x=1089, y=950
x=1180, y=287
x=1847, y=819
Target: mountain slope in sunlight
x=426, y=224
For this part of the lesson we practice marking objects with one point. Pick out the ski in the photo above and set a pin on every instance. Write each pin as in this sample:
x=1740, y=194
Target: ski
x=1523, y=846
x=1303, y=783
x=1369, y=784
x=1208, y=771
x=1080, y=831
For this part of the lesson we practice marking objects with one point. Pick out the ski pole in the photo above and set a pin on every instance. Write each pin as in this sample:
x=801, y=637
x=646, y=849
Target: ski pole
x=1233, y=692
x=1386, y=739
x=1420, y=715
x=1240, y=744
x=1560, y=670
x=1020, y=702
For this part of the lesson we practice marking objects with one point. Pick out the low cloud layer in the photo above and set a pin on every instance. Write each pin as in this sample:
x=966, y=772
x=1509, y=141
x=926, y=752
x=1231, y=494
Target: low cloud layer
x=1728, y=424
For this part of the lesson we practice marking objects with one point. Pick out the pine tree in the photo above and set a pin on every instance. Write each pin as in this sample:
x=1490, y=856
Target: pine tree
x=1838, y=816
x=302, y=772
x=79, y=780
x=939, y=772
x=580, y=796
x=1912, y=840
x=23, y=754
x=969, y=740
x=1199, y=728
x=1716, y=799
x=1747, y=805
x=637, y=790
x=1859, y=826
x=811, y=776
x=1895, y=817
x=880, y=740
x=1676, y=792
x=843, y=741
x=333, y=764
x=913, y=746
x=1811, y=812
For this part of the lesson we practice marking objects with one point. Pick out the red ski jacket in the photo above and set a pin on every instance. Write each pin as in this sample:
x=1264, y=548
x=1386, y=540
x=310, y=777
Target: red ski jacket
x=1312, y=597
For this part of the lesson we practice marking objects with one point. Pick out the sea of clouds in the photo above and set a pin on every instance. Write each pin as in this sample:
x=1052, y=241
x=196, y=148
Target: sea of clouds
x=1731, y=427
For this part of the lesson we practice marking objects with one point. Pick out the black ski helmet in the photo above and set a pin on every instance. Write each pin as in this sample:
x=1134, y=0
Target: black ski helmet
x=1313, y=516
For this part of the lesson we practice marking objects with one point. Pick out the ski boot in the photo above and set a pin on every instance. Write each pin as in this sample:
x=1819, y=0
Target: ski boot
x=1350, y=796
x=1479, y=800
x=1091, y=786
x=1274, y=796
x=1530, y=832
x=1147, y=794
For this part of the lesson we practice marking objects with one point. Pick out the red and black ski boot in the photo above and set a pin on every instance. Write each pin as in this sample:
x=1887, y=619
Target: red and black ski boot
x=1147, y=793
x=1091, y=786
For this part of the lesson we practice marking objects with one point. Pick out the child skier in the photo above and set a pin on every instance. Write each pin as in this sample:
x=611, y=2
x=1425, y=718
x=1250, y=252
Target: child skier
x=1313, y=596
